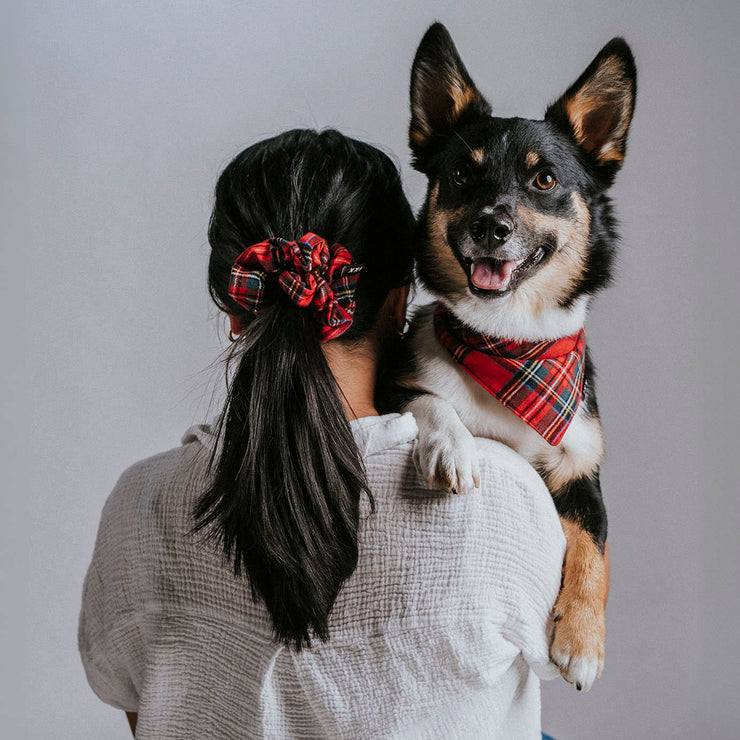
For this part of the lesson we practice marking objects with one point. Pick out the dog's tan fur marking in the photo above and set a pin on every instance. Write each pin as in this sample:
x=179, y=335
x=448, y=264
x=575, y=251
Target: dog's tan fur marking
x=477, y=155
x=419, y=135
x=442, y=265
x=606, y=89
x=556, y=280
x=532, y=159
x=460, y=94
x=579, y=610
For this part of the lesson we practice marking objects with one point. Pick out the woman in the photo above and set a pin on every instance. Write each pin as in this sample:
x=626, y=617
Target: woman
x=285, y=573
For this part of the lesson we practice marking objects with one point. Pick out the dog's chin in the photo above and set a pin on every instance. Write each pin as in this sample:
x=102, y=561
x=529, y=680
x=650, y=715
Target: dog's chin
x=491, y=279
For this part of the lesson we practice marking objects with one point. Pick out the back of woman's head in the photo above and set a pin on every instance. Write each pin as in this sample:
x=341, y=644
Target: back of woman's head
x=285, y=494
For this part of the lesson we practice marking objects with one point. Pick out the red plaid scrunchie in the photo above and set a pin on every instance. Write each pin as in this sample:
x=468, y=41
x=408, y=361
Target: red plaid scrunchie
x=311, y=273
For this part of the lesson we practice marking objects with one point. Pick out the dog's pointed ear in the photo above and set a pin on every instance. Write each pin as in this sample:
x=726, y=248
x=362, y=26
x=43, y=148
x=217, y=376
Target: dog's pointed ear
x=441, y=90
x=597, y=109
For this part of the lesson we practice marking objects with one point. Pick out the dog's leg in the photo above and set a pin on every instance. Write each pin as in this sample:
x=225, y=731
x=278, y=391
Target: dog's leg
x=445, y=453
x=578, y=643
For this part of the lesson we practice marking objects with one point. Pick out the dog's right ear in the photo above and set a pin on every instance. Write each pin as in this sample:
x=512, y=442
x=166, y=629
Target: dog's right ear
x=441, y=91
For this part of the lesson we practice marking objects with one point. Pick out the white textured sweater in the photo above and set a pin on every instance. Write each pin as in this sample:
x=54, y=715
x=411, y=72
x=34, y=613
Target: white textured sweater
x=441, y=632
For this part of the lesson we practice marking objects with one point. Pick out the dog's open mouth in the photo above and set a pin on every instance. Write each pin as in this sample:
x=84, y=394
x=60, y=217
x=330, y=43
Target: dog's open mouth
x=488, y=274
x=497, y=276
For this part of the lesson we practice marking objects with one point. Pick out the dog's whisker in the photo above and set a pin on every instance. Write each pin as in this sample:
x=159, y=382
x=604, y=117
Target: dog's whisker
x=470, y=148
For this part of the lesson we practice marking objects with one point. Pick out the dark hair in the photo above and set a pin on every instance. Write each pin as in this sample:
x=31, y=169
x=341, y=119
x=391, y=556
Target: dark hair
x=284, y=500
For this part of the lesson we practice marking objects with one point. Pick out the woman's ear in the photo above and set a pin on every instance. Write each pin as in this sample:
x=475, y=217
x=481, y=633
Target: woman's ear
x=399, y=298
x=235, y=325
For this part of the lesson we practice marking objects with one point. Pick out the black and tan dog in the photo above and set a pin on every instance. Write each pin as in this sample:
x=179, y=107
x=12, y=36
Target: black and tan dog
x=516, y=235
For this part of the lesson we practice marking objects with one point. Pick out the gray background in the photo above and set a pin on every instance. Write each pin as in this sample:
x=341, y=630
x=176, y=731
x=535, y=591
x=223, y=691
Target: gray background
x=116, y=120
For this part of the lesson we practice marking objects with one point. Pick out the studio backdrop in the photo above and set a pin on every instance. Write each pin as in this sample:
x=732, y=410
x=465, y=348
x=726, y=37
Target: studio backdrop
x=116, y=120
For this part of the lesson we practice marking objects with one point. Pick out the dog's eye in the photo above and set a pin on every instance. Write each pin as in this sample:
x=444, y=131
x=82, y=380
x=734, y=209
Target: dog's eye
x=545, y=180
x=460, y=176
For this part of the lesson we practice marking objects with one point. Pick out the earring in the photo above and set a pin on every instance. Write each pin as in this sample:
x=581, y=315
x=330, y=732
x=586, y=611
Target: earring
x=401, y=331
x=232, y=338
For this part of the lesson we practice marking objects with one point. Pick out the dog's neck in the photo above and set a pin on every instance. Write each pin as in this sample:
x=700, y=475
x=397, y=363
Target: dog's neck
x=506, y=317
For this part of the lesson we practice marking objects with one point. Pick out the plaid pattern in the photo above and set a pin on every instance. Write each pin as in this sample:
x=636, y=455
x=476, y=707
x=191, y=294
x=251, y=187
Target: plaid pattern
x=541, y=382
x=309, y=272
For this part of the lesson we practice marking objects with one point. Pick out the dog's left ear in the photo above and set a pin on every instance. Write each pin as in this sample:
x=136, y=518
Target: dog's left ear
x=441, y=92
x=597, y=109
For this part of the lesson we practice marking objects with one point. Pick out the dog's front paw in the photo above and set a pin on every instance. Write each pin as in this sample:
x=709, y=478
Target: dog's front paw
x=578, y=645
x=448, y=460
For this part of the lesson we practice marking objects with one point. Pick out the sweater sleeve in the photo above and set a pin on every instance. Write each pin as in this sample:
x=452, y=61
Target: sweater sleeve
x=111, y=624
x=532, y=546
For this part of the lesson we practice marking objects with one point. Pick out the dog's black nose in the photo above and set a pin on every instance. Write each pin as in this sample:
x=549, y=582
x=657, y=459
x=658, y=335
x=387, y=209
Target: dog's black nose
x=502, y=228
x=494, y=227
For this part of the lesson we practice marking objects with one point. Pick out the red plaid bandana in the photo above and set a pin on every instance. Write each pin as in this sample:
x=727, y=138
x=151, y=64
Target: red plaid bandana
x=541, y=382
x=311, y=274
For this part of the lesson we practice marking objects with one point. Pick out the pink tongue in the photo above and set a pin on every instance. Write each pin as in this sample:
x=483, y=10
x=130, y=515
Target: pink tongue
x=492, y=275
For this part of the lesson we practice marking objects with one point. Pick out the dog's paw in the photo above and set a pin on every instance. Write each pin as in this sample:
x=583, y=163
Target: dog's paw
x=448, y=460
x=578, y=644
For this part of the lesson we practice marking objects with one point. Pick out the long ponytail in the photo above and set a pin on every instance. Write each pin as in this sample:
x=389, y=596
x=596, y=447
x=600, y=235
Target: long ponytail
x=286, y=494
x=284, y=498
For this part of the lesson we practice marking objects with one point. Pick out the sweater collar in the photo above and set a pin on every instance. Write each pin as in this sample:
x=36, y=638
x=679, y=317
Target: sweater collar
x=372, y=433
x=377, y=433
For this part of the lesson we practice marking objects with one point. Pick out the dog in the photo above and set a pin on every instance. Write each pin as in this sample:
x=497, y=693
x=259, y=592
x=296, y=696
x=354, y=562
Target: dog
x=515, y=237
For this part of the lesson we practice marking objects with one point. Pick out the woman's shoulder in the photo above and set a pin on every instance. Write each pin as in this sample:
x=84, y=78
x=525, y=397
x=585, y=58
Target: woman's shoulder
x=145, y=534
x=389, y=441
x=160, y=484
x=515, y=494
x=497, y=459
x=510, y=501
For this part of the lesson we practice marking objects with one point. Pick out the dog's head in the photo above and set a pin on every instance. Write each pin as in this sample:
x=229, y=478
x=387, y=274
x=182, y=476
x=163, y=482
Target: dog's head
x=517, y=230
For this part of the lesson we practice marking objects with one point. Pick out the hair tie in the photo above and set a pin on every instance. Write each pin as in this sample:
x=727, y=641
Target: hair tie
x=311, y=273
